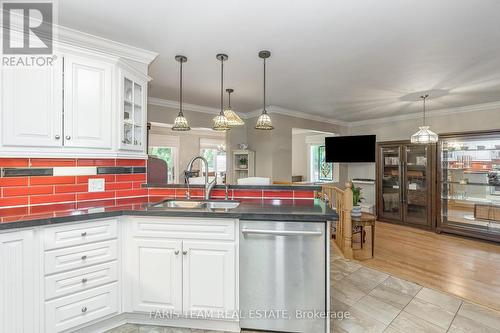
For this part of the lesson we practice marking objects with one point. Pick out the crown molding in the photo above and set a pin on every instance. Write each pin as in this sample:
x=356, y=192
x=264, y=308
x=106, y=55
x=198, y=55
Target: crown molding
x=185, y=106
x=303, y=115
x=65, y=36
x=493, y=106
x=68, y=36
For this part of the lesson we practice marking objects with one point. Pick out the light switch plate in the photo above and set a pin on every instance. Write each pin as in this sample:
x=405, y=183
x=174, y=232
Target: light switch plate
x=96, y=185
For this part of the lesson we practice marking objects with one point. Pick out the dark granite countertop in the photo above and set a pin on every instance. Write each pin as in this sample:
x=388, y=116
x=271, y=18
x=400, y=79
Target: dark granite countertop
x=299, y=187
x=306, y=210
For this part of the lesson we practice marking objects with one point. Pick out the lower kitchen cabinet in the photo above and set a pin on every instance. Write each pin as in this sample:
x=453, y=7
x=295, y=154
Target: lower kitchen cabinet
x=17, y=282
x=209, y=276
x=193, y=275
x=156, y=266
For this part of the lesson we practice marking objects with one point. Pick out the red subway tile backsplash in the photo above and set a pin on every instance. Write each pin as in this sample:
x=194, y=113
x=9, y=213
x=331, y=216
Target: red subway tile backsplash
x=14, y=181
x=130, y=162
x=131, y=177
x=14, y=162
x=52, y=198
x=32, y=190
x=71, y=188
x=85, y=179
x=52, y=180
x=52, y=162
x=95, y=195
x=14, y=201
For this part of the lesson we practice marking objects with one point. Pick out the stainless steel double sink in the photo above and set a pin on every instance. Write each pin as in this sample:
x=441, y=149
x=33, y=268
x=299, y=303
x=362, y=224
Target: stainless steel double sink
x=197, y=204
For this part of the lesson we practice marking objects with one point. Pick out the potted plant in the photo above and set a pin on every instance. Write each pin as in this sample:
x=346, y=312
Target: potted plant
x=243, y=162
x=356, y=200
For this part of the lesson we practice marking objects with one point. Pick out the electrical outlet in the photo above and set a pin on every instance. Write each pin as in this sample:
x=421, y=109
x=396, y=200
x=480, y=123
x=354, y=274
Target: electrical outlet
x=96, y=185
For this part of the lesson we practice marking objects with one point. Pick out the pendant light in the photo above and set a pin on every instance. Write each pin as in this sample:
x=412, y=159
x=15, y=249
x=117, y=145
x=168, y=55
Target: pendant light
x=180, y=122
x=424, y=134
x=233, y=119
x=220, y=121
x=264, y=121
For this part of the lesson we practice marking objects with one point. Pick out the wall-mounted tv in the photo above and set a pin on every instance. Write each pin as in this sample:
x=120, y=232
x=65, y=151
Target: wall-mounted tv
x=350, y=149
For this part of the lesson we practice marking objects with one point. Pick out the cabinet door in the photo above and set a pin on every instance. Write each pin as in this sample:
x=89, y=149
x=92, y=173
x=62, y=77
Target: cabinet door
x=87, y=103
x=32, y=105
x=390, y=183
x=156, y=265
x=417, y=191
x=17, y=282
x=209, y=276
x=133, y=113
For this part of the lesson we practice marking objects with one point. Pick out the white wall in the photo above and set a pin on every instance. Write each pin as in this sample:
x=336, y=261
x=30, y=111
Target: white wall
x=402, y=130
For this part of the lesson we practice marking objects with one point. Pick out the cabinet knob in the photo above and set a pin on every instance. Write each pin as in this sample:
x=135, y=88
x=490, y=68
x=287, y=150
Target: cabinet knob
x=84, y=280
x=84, y=257
x=124, y=141
x=184, y=252
x=68, y=137
x=84, y=309
x=84, y=234
x=176, y=252
x=57, y=137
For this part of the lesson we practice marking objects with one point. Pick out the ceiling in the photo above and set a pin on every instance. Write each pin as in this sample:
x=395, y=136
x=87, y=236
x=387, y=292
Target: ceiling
x=346, y=60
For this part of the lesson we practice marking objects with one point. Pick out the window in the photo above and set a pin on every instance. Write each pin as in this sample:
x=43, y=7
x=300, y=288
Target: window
x=320, y=171
x=214, y=151
x=167, y=154
x=166, y=147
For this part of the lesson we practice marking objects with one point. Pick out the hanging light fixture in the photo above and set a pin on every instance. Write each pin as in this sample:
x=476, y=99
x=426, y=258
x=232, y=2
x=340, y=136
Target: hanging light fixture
x=180, y=122
x=220, y=121
x=424, y=134
x=233, y=119
x=264, y=121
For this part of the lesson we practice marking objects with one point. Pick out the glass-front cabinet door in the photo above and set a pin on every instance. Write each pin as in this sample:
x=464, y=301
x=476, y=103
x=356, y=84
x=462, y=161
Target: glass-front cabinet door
x=416, y=192
x=133, y=106
x=390, y=164
x=470, y=185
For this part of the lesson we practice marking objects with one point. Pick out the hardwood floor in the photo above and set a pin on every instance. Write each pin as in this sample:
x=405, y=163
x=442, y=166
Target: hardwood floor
x=466, y=268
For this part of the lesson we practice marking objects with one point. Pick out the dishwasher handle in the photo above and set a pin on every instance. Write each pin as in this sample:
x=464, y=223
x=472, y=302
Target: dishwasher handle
x=281, y=232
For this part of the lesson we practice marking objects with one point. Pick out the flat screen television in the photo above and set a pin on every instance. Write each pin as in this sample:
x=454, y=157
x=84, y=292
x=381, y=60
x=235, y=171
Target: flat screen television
x=350, y=149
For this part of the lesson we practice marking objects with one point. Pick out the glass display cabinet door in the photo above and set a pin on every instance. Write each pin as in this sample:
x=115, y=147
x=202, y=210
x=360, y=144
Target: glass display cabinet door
x=133, y=115
x=416, y=184
x=390, y=204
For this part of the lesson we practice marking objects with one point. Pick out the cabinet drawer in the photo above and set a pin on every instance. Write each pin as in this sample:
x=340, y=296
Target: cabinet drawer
x=80, y=256
x=80, y=233
x=191, y=228
x=80, y=279
x=77, y=309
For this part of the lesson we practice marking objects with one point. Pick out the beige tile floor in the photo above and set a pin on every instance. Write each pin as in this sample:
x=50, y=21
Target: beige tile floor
x=378, y=302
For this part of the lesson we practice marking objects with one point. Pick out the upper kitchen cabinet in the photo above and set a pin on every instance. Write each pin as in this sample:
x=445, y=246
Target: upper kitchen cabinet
x=31, y=106
x=91, y=101
x=133, y=89
x=87, y=103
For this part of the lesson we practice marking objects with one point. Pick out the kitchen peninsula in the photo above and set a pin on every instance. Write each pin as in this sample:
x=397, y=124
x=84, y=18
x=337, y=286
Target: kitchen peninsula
x=97, y=266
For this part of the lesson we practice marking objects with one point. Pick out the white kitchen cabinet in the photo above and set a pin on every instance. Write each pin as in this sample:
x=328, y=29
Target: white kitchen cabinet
x=32, y=105
x=133, y=111
x=17, y=282
x=209, y=282
x=183, y=265
x=87, y=102
x=157, y=275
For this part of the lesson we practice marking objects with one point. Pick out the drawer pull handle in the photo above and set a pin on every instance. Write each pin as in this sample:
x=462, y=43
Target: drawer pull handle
x=84, y=234
x=176, y=252
x=84, y=257
x=84, y=309
x=184, y=252
x=84, y=280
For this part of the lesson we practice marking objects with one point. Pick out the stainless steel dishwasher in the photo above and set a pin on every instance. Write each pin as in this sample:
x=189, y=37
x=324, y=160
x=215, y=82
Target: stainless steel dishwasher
x=282, y=273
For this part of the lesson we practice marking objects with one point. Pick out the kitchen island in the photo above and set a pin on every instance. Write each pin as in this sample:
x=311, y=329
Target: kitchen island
x=94, y=268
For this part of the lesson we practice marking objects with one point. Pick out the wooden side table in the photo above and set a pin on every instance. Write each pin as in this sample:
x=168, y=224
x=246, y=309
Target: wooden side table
x=366, y=220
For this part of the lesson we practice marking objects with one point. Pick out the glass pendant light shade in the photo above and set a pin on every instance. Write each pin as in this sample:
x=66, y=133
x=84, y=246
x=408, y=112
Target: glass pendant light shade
x=180, y=122
x=220, y=121
x=264, y=121
x=424, y=135
x=232, y=117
